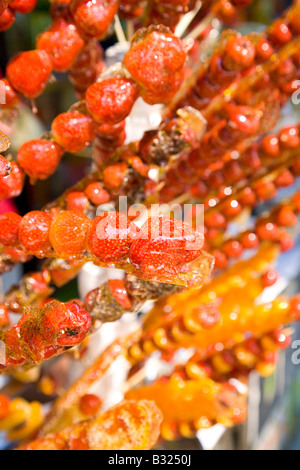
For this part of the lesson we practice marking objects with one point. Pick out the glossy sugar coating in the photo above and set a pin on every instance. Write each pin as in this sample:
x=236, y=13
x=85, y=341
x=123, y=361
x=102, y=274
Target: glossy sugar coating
x=9, y=228
x=73, y=131
x=130, y=425
x=110, y=100
x=44, y=333
x=109, y=237
x=29, y=72
x=11, y=97
x=155, y=61
x=188, y=400
x=12, y=185
x=34, y=232
x=164, y=245
x=94, y=18
x=39, y=158
x=63, y=44
x=68, y=231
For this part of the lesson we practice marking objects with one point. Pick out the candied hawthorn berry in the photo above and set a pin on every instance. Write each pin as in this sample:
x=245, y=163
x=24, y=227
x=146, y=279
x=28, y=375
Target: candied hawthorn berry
x=110, y=100
x=73, y=131
x=280, y=33
x=286, y=242
x=295, y=306
x=239, y=53
x=12, y=185
x=9, y=228
x=96, y=194
x=163, y=245
x=29, y=72
x=94, y=18
x=264, y=50
x=266, y=190
x=270, y=277
x=65, y=324
x=267, y=231
x=77, y=201
x=7, y=19
x=249, y=240
x=233, y=248
x=156, y=61
x=68, y=232
x=215, y=220
x=109, y=237
x=89, y=404
x=39, y=158
x=34, y=231
x=286, y=217
x=289, y=137
x=285, y=178
x=4, y=319
x=11, y=97
x=63, y=44
x=22, y=6
x=119, y=292
x=4, y=167
x=243, y=119
x=114, y=175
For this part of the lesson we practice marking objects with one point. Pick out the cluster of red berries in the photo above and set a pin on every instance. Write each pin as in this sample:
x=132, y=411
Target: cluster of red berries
x=108, y=102
x=45, y=333
x=159, y=249
x=267, y=229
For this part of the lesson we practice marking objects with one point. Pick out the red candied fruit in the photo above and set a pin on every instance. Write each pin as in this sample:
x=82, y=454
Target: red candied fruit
x=270, y=277
x=96, y=194
x=239, y=53
x=39, y=158
x=65, y=324
x=4, y=167
x=22, y=6
x=119, y=292
x=4, y=319
x=110, y=100
x=29, y=72
x=249, y=240
x=68, y=232
x=110, y=236
x=233, y=248
x=89, y=404
x=114, y=175
x=9, y=228
x=267, y=231
x=11, y=97
x=63, y=44
x=7, y=19
x=156, y=62
x=12, y=185
x=286, y=217
x=94, y=18
x=164, y=245
x=73, y=131
x=77, y=201
x=34, y=231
